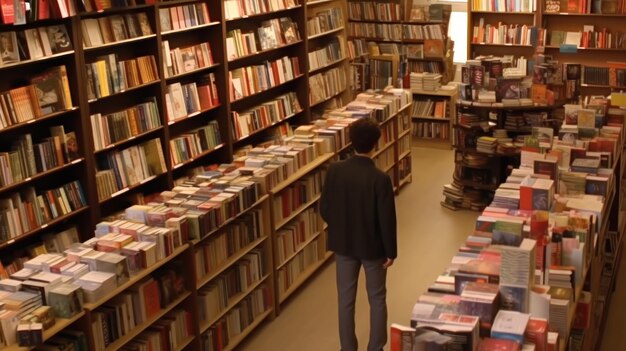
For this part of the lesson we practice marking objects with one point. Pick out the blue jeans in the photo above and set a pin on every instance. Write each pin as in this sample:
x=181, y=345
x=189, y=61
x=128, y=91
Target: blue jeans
x=347, y=281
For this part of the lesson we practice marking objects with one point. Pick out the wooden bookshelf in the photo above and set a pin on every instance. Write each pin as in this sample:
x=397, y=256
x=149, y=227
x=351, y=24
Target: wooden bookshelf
x=428, y=130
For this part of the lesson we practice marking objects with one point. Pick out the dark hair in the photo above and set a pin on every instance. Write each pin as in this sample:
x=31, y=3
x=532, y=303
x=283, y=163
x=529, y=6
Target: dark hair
x=364, y=134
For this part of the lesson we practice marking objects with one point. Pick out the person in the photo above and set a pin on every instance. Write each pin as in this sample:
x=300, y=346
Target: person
x=357, y=203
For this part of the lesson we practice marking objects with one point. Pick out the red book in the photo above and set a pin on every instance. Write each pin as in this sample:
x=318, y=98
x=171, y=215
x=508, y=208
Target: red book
x=490, y=344
x=152, y=298
x=8, y=11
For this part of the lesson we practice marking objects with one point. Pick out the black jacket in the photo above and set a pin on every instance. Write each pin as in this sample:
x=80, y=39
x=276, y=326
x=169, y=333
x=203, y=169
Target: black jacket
x=358, y=205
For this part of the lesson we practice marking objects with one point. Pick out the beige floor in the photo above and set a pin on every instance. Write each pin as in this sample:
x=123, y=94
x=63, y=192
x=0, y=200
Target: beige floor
x=428, y=237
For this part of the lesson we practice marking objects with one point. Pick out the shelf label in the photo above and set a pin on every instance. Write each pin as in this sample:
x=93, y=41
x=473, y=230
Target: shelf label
x=568, y=49
x=28, y=179
x=44, y=226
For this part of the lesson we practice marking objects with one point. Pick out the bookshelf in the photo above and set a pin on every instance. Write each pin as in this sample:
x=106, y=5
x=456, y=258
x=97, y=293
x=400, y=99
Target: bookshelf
x=478, y=170
x=391, y=39
x=432, y=117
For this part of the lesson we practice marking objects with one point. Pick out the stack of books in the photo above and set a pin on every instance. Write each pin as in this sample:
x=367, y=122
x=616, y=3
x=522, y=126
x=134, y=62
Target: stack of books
x=431, y=81
x=561, y=299
x=514, y=122
x=517, y=274
x=510, y=325
x=487, y=144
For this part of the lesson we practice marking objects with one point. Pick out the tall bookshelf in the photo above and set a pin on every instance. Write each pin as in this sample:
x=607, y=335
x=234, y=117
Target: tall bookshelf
x=432, y=117
x=146, y=95
x=397, y=37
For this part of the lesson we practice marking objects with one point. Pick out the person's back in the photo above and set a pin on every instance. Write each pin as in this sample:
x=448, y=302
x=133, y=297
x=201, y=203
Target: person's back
x=358, y=205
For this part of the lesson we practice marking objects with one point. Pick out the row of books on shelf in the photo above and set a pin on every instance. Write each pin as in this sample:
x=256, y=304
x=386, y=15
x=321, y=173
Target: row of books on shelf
x=128, y=167
x=294, y=235
x=298, y=194
x=326, y=55
x=15, y=13
x=183, y=100
x=119, y=126
x=27, y=159
x=270, y=34
x=429, y=81
x=324, y=21
x=34, y=43
x=238, y=278
x=504, y=6
x=111, y=29
x=28, y=210
x=421, y=32
x=516, y=34
x=186, y=59
x=289, y=273
x=374, y=11
x=589, y=38
x=385, y=160
x=586, y=7
x=168, y=333
x=183, y=17
x=141, y=303
x=99, y=6
x=251, y=80
x=234, y=9
x=189, y=145
x=237, y=320
x=108, y=75
x=210, y=255
x=265, y=115
x=48, y=93
x=430, y=108
x=325, y=85
x=381, y=31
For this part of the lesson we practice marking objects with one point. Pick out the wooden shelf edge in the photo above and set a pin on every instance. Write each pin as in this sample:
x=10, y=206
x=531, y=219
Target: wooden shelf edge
x=40, y=175
x=245, y=17
x=299, y=249
x=119, y=42
x=233, y=301
x=318, y=35
x=301, y=172
x=135, y=279
x=198, y=156
x=127, y=140
x=131, y=187
x=237, y=339
x=143, y=326
x=184, y=344
x=39, y=59
x=229, y=262
x=282, y=221
x=59, y=325
x=192, y=72
x=36, y=120
x=255, y=132
x=302, y=278
x=182, y=30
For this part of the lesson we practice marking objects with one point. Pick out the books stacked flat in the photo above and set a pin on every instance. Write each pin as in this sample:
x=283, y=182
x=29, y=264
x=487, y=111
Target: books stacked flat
x=514, y=122
x=462, y=329
x=562, y=278
x=453, y=195
x=431, y=81
x=487, y=144
x=96, y=285
x=469, y=119
x=517, y=275
x=510, y=325
x=501, y=135
x=482, y=300
x=475, y=160
x=416, y=80
x=560, y=301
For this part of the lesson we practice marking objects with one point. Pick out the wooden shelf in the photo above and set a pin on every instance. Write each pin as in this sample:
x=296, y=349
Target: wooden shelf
x=317, y=2
x=135, y=279
x=141, y=86
x=201, y=26
x=334, y=30
x=192, y=72
x=427, y=59
x=281, y=222
x=301, y=172
x=247, y=97
x=300, y=248
x=271, y=13
x=39, y=176
x=131, y=187
x=427, y=118
x=44, y=226
x=303, y=277
x=440, y=92
x=386, y=40
x=233, y=342
x=383, y=149
x=143, y=326
x=589, y=49
x=328, y=65
x=127, y=141
x=521, y=13
x=36, y=120
x=232, y=302
x=184, y=343
x=315, y=104
x=89, y=49
x=381, y=21
x=244, y=138
x=37, y=60
x=404, y=133
x=476, y=185
x=583, y=14
x=230, y=220
x=508, y=45
x=197, y=157
x=405, y=180
x=262, y=52
x=404, y=154
x=193, y=114
x=463, y=164
x=112, y=10
x=229, y=261
x=388, y=167
x=59, y=325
